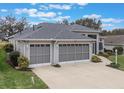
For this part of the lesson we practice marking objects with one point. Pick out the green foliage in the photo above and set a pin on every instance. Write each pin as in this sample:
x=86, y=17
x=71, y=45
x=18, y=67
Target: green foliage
x=104, y=54
x=91, y=23
x=120, y=61
x=119, y=49
x=112, y=32
x=110, y=52
x=14, y=79
x=95, y=59
x=65, y=21
x=114, y=65
x=23, y=62
x=14, y=58
x=8, y=47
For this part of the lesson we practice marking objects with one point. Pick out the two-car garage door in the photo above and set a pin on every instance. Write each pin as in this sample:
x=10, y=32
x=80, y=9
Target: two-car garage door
x=70, y=52
x=40, y=53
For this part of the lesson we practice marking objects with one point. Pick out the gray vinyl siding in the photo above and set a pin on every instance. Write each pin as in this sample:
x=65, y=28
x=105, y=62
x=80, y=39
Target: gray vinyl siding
x=70, y=52
x=39, y=53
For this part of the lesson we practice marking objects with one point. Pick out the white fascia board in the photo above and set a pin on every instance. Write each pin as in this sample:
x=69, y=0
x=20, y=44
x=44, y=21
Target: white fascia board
x=56, y=39
x=82, y=31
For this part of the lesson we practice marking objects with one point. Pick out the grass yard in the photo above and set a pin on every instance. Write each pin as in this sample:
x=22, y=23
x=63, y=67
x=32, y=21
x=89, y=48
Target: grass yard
x=14, y=79
x=120, y=61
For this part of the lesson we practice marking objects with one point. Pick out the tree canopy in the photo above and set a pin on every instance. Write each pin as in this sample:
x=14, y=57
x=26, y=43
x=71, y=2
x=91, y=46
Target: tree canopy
x=91, y=23
x=113, y=32
x=11, y=25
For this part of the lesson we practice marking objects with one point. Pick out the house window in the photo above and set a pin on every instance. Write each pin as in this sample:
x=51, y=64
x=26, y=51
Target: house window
x=100, y=45
x=92, y=36
x=94, y=48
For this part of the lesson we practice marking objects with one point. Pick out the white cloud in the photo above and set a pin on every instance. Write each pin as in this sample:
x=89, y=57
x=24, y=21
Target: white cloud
x=35, y=13
x=45, y=19
x=3, y=10
x=58, y=6
x=33, y=3
x=112, y=20
x=107, y=25
x=55, y=19
x=34, y=23
x=60, y=18
x=25, y=10
x=92, y=16
x=82, y=4
x=43, y=14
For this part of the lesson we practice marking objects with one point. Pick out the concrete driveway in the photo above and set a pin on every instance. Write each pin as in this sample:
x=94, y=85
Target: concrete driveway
x=81, y=75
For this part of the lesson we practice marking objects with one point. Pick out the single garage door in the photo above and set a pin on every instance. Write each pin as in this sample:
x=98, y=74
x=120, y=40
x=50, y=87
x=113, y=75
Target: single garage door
x=70, y=52
x=39, y=53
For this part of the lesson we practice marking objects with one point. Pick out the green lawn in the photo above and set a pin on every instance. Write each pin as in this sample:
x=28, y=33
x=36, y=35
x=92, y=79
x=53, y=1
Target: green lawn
x=120, y=61
x=11, y=78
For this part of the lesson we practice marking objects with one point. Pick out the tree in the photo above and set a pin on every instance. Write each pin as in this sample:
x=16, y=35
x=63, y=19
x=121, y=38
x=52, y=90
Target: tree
x=65, y=21
x=92, y=23
x=113, y=32
x=11, y=25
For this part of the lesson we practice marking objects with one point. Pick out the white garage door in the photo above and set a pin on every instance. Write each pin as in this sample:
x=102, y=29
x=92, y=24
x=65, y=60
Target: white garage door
x=39, y=53
x=70, y=52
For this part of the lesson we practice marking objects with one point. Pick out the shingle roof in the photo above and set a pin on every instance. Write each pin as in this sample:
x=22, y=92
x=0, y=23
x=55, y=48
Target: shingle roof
x=80, y=28
x=115, y=39
x=53, y=31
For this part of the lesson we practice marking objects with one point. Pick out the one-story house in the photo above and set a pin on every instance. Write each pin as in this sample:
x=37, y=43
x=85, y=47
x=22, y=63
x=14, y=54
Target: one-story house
x=52, y=43
x=113, y=41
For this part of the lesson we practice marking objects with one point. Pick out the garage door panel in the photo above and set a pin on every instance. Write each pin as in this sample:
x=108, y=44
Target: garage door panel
x=79, y=56
x=85, y=55
x=39, y=53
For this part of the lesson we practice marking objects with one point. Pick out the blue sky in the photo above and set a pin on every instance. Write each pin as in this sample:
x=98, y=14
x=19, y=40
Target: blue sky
x=111, y=14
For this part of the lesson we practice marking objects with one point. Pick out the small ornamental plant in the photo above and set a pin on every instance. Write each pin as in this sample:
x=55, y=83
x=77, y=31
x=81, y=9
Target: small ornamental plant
x=23, y=63
x=95, y=59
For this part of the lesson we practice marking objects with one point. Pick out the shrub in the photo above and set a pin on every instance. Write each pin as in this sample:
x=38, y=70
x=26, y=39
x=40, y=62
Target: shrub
x=119, y=49
x=8, y=47
x=23, y=62
x=95, y=59
x=56, y=65
x=104, y=54
x=100, y=53
x=114, y=65
x=109, y=53
x=14, y=57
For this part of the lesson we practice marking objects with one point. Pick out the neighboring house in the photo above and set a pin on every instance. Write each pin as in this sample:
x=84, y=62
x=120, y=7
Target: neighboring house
x=113, y=41
x=50, y=43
